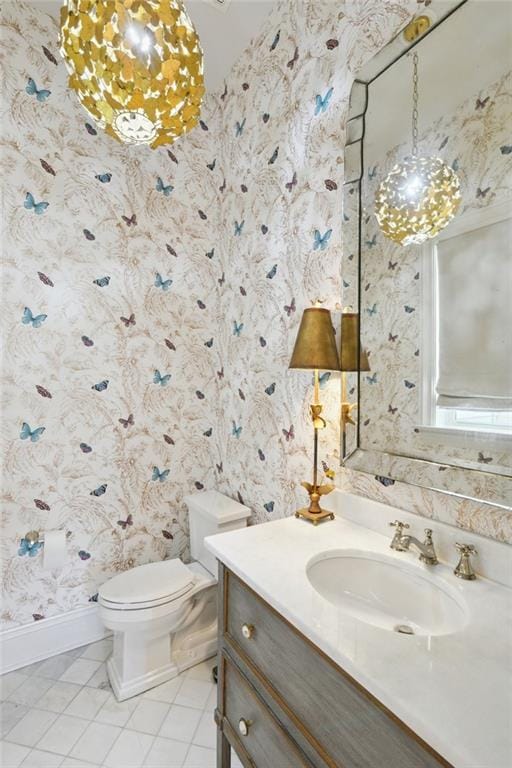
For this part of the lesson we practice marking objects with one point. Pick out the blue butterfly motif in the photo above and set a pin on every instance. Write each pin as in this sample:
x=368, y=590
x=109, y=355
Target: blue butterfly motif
x=29, y=319
x=237, y=328
x=209, y=343
x=372, y=379
x=409, y=384
x=272, y=272
x=323, y=378
x=99, y=491
x=409, y=309
x=236, y=431
x=83, y=555
x=33, y=434
x=321, y=241
x=30, y=548
x=275, y=40
x=273, y=158
x=104, y=177
x=239, y=227
x=269, y=506
x=263, y=342
x=371, y=310
x=31, y=205
x=32, y=90
x=239, y=127
x=506, y=149
x=210, y=254
x=159, y=379
x=160, y=475
x=371, y=243
x=270, y=389
x=102, y=281
x=100, y=386
x=372, y=172
x=161, y=187
x=161, y=283
x=345, y=284
x=385, y=481
x=321, y=103
x=261, y=455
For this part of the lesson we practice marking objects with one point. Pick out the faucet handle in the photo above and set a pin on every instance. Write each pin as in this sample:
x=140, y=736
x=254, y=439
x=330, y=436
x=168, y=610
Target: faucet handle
x=428, y=535
x=466, y=549
x=399, y=526
x=464, y=568
x=396, y=542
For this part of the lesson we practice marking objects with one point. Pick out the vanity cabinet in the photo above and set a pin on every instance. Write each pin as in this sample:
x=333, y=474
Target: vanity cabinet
x=283, y=704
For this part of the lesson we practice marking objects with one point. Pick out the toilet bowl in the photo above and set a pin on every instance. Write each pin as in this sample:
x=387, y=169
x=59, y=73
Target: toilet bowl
x=164, y=615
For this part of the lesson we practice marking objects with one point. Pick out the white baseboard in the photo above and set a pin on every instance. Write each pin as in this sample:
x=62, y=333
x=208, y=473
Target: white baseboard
x=29, y=643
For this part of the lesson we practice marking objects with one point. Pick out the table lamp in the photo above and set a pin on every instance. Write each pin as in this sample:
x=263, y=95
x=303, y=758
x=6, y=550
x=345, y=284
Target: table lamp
x=353, y=358
x=315, y=349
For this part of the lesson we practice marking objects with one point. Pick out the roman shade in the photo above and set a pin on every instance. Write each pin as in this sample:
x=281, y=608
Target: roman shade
x=475, y=319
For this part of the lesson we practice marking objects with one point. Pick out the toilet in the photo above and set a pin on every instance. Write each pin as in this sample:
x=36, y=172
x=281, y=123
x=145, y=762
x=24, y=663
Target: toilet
x=164, y=615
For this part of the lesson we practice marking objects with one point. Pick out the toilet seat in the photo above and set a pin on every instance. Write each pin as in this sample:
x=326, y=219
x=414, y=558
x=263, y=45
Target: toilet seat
x=147, y=586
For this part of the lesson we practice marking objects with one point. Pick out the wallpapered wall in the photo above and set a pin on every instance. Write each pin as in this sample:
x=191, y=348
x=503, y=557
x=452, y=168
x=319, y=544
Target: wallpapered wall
x=267, y=176
x=283, y=113
x=76, y=368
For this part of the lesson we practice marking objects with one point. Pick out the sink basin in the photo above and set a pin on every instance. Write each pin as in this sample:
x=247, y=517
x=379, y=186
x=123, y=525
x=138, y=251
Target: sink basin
x=379, y=590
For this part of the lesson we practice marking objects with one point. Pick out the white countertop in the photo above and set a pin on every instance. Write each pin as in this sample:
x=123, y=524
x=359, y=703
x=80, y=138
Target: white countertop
x=454, y=691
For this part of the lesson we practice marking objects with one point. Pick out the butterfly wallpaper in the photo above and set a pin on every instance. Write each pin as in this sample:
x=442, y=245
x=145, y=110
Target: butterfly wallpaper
x=152, y=299
x=102, y=261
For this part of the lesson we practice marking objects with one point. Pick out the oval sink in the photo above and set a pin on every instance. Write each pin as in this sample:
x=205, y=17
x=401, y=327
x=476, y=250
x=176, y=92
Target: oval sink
x=379, y=590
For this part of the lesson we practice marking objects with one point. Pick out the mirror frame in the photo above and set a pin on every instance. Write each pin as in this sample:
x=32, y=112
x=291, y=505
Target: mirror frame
x=475, y=484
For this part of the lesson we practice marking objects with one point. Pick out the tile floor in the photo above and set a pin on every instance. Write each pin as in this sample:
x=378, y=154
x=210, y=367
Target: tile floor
x=61, y=713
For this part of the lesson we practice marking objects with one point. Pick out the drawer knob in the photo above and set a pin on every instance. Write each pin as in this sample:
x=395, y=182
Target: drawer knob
x=243, y=726
x=248, y=631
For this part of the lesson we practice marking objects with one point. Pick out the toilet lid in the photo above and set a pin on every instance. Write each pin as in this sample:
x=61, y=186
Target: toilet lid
x=152, y=583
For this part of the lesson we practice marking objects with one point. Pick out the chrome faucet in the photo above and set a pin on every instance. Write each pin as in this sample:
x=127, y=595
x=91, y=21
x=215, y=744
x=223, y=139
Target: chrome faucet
x=402, y=543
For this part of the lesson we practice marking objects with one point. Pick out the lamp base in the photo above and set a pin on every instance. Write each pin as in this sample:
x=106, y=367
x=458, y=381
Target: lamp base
x=314, y=517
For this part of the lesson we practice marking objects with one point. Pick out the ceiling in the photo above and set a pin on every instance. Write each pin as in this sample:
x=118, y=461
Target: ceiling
x=224, y=28
x=467, y=52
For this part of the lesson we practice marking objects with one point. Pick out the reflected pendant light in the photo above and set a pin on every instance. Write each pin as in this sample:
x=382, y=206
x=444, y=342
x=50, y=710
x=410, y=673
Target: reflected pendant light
x=420, y=195
x=136, y=66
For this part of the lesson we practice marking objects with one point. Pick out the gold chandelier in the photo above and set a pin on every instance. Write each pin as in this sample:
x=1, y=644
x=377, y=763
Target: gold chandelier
x=136, y=66
x=420, y=195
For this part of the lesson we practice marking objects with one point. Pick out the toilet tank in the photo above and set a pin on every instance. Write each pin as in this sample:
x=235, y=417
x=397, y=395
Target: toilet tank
x=211, y=512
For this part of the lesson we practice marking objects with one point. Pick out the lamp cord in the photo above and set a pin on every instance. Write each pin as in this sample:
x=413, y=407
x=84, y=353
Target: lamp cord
x=415, y=105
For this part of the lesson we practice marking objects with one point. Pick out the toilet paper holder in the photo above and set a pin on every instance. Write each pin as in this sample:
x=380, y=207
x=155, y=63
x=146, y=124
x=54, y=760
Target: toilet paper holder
x=34, y=537
x=31, y=543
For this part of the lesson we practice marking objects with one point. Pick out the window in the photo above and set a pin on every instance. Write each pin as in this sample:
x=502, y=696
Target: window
x=468, y=324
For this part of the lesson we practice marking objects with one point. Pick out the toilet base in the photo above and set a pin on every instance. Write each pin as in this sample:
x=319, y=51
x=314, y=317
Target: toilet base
x=125, y=689
x=151, y=650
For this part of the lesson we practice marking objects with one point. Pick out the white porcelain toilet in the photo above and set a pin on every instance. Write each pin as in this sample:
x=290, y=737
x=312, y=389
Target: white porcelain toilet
x=164, y=615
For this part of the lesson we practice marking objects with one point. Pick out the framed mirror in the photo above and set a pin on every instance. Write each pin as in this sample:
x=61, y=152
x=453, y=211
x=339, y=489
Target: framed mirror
x=434, y=405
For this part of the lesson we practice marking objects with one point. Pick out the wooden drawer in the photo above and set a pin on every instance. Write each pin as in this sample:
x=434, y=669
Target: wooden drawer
x=340, y=719
x=266, y=744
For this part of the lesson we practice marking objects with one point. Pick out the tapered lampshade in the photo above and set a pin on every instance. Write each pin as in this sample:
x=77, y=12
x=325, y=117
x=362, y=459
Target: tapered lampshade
x=315, y=345
x=350, y=344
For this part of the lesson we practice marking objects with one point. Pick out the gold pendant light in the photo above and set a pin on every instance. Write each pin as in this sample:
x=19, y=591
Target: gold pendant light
x=136, y=66
x=420, y=195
